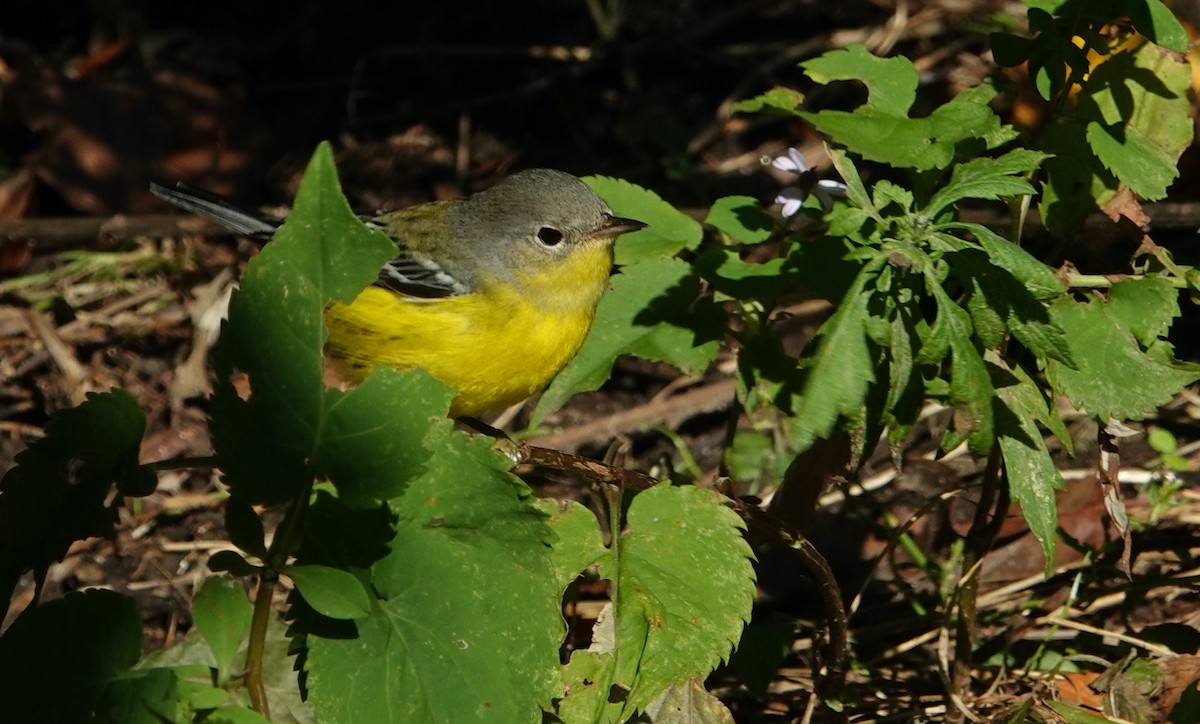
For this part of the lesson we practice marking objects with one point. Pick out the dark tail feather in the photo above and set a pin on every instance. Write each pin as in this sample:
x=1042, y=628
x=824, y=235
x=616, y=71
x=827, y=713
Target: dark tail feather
x=220, y=210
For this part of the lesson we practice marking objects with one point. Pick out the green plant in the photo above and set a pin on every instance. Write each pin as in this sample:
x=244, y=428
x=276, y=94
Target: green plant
x=428, y=580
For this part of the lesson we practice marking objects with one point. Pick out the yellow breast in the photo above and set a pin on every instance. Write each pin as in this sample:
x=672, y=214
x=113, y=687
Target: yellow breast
x=498, y=345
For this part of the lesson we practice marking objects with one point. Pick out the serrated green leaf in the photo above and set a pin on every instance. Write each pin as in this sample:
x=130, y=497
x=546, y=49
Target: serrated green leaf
x=668, y=624
x=998, y=301
x=741, y=218
x=1031, y=399
x=1133, y=113
x=1145, y=307
x=652, y=311
x=987, y=178
x=970, y=384
x=840, y=370
x=776, y=100
x=668, y=232
x=222, y=614
x=1032, y=475
x=1107, y=356
x=467, y=624
x=1146, y=168
x=61, y=488
x=330, y=591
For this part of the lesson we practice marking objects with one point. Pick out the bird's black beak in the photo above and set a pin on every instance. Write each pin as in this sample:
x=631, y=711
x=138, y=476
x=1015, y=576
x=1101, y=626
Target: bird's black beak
x=615, y=226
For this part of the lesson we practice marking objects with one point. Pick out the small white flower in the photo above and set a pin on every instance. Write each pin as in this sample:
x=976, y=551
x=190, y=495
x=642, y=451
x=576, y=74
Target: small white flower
x=831, y=187
x=792, y=161
x=790, y=199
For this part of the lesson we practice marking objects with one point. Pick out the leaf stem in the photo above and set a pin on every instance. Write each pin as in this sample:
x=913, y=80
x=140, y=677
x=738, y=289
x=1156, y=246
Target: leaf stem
x=1105, y=281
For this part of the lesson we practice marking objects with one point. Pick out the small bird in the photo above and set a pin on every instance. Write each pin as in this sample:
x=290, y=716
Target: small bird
x=492, y=293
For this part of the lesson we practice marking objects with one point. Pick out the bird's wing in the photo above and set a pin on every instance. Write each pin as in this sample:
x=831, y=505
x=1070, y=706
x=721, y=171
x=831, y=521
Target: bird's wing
x=412, y=273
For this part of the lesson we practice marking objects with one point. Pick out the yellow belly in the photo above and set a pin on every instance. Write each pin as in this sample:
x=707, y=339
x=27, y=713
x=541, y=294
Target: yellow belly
x=496, y=352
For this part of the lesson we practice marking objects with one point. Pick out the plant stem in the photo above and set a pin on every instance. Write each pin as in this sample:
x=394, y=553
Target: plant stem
x=286, y=541
x=257, y=643
x=993, y=499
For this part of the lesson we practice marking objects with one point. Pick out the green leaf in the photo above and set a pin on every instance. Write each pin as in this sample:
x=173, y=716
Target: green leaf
x=1155, y=20
x=741, y=218
x=987, y=178
x=191, y=695
x=579, y=542
x=222, y=614
x=1032, y=475
x=891, y=82
x=669, y=230
x=1039, y=279
x=839, y=372
x=667, y=623
x=330, y=591
x=653, y=311
x=783, y=101
x=997, y=297
x=371, y=437
x=1129, y=125
x=1104, y=341
x=728, y=274
x=467, y=623
x=970, y=384
x=1146, y=168
x=230, y=561
x=881, y=130
x=275, y=335
x=58, y=660
x=1145, y=307
x=61, y=488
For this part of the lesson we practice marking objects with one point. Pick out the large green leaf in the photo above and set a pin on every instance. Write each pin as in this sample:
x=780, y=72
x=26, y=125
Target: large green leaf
x=367, y=440
x=466, y=623
x=1115, y=342
x=683, y=587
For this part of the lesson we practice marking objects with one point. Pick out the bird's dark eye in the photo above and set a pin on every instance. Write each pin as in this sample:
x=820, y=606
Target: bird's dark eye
x=549, y=236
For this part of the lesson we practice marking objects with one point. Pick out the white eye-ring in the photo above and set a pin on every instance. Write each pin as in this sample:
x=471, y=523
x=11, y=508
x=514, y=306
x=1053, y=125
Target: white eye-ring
x=549, y=236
